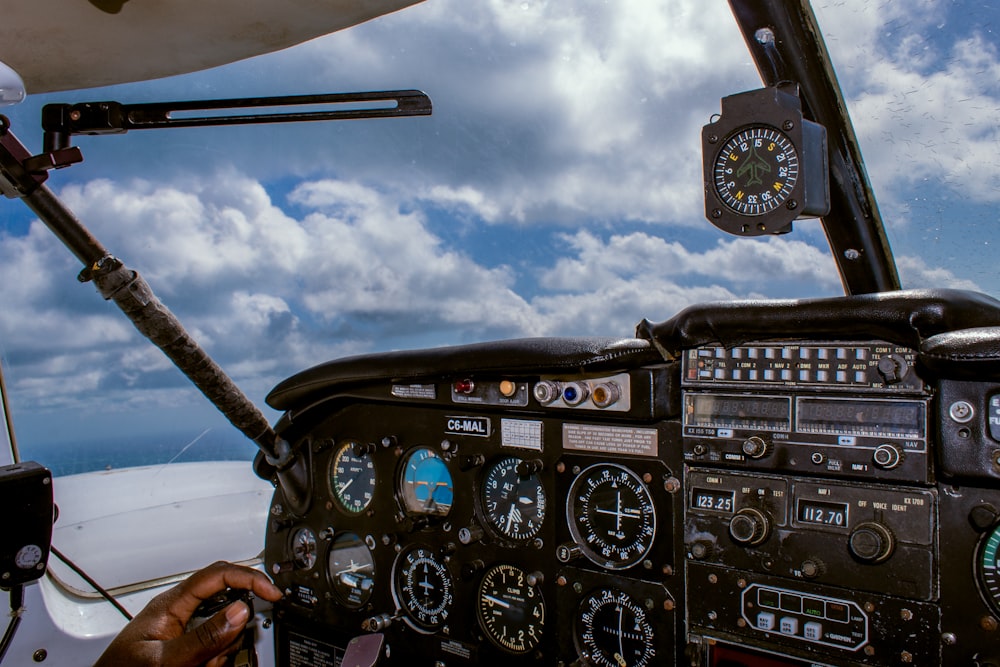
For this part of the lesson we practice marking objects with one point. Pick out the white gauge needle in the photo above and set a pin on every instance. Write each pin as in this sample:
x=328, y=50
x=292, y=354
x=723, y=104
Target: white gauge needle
x=497, y=601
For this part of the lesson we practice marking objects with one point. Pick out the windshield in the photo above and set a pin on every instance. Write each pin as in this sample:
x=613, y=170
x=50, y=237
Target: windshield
x=556, y=190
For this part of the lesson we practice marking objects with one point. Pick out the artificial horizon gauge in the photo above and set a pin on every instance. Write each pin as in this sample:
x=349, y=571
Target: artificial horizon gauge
x=513, y=499
x=425, y=485
x=351, y=570
x=510, y=609
x=763, y=164
x=304, y=548
x=611, y=516
x=352, y=477
x=423, y=588
x=612, y=629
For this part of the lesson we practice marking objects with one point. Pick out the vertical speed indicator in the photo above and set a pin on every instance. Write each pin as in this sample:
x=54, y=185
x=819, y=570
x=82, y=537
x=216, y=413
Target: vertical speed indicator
x=756, y=170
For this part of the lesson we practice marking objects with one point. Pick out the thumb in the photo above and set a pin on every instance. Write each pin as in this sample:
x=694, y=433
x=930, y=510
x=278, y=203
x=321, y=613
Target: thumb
x=210, y=639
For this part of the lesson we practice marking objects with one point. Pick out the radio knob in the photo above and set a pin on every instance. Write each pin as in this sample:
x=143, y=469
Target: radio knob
x=749, y=526
x=871, y=542
x=887, y=456
x=892, y=368
x=755, y=447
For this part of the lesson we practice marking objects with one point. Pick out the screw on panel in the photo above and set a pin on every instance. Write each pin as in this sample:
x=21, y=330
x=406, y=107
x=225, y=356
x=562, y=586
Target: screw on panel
x=949, y=639
x=988, y=623
x=961, y=411
x=40, y=655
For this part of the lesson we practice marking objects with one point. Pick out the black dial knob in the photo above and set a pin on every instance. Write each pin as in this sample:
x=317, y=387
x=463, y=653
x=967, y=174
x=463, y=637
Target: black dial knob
x=892, y=368
x=887, y=456
x=749, y=526
x=755, y=447
x=871, y=542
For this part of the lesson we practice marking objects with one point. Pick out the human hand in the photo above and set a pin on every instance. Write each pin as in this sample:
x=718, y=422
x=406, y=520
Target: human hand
x=156, y=636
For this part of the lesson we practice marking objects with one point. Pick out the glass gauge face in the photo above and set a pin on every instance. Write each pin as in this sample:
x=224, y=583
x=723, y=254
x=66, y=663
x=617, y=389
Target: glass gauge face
x=352, y=477
x=755, y=170
x=351, y=569
x=988, y=568
x=611, y=630
x=513, y=504
x=304, y=548
x=423, y=588
x=510, y=610
x=425, y=485
x=611, y=516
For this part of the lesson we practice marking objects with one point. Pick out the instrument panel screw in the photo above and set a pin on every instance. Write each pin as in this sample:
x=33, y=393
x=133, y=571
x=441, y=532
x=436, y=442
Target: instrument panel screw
x=906, y=615
x=668, y=605
x=40, y=655
x=787, y=125
x=906, y=657
x=869, y=607
x=672, y=485
x=949, y=639
x=713, y=138
x=716, y=212
x=988, y=623
x=713, y=579
x=852, y=254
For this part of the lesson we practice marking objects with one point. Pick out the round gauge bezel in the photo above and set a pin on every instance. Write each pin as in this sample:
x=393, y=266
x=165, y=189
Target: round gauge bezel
x=587, y=629
x=351, y=508
x=311, y=557
x=988, y=578
x=772, y=160
x=343, y=593
x=409, y=485
x=494, y=494
x=592, y=545
x=421, y=617
x=501, y=605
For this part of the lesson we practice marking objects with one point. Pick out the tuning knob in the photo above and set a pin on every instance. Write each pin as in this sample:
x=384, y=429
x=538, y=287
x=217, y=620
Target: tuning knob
x=887, y=456
x=567, y=552
x=749, y=526
x=755, y=447
x=871, y=542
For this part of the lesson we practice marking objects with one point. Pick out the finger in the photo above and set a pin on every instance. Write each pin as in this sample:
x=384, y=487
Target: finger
x=215, y=578
x=212, y=638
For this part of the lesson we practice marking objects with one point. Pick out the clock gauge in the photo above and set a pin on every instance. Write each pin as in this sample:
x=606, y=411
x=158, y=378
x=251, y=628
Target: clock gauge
x=611, y=516
x=510, y=609
x=756, y=170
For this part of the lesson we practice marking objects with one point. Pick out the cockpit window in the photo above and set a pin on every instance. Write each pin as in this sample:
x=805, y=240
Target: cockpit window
x=556, y=190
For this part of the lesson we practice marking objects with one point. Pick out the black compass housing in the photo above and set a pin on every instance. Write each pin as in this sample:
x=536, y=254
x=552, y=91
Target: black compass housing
x=764, y=165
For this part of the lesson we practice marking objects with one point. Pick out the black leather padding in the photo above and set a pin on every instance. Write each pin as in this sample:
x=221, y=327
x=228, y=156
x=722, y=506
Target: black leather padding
x=967, y=354
x=905, y=317
x=524, y=356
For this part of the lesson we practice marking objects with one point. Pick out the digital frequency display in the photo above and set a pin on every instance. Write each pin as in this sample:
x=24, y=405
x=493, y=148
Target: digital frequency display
x=730, y=411
x=821, y=513
x=903, y=419
x=707, y=499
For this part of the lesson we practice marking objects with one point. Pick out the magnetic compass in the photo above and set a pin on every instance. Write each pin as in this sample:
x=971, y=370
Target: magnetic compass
x=611, y=516
x=513, y=499
x=304, y=548
x=764, y=165
x=756, y=170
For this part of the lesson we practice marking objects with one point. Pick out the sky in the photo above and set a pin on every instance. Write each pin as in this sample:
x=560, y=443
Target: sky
x=555, y=191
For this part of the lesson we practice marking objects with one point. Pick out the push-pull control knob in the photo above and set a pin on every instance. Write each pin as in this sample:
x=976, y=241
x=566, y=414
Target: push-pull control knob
x=871, y=542
x=567, y=552
x=749, y=526
x=755, y=447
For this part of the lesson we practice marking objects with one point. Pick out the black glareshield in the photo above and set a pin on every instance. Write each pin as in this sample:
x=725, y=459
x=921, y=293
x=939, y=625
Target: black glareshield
x=27, y=533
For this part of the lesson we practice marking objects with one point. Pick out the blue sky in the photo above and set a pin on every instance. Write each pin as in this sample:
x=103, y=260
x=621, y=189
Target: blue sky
x=555, y=191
